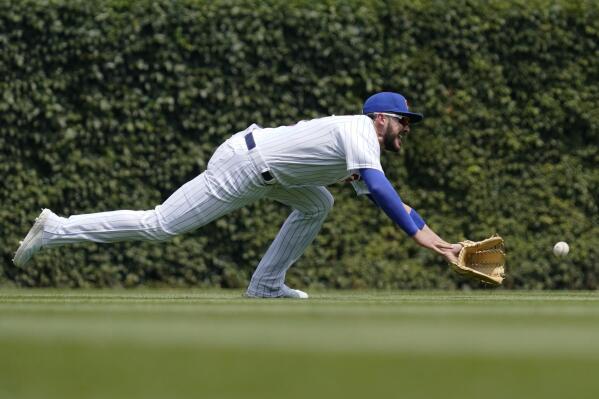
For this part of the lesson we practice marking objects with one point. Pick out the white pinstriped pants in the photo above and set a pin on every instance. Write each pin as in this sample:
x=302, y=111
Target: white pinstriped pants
x=231, y=181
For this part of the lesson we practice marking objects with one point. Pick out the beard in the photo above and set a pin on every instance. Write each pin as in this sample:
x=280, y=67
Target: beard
x=389, y=140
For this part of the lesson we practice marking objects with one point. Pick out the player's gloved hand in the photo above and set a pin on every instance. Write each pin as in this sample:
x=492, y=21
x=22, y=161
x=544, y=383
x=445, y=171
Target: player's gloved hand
x=482, y=260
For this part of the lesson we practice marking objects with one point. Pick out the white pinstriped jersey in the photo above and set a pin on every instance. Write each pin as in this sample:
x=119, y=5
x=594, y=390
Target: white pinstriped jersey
x=320, y=151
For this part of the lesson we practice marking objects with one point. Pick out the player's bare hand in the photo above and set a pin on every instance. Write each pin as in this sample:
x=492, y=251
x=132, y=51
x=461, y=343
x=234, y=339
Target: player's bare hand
x=426, y=238
x=451, y=252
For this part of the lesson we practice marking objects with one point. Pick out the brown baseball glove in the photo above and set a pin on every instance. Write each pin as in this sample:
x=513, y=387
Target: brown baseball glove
x=483, y=260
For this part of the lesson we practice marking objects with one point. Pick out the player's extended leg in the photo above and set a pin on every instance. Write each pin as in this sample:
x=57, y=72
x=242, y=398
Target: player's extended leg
x=311, y=206
x=228, y=184
x=188, y=208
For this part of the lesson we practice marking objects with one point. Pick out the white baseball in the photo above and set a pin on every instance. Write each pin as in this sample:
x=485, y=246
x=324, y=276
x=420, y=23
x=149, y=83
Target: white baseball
x=561, y=249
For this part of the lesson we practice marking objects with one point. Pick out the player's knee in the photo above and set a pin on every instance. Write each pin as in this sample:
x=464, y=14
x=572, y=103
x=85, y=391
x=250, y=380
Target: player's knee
x=156, y=229
x=162, y=235
x=329, y=201
x=325, y=205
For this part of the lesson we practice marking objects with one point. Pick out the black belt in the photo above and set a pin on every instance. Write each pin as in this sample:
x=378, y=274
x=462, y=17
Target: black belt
x=249, y=141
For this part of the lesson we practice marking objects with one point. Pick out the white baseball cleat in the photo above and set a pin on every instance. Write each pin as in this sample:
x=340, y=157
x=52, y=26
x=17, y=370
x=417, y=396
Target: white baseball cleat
x=291, y=293
x=286, y=292
x=33, y=241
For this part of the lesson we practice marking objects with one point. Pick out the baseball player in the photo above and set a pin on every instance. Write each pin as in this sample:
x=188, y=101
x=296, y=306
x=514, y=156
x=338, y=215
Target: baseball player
x=289, y=164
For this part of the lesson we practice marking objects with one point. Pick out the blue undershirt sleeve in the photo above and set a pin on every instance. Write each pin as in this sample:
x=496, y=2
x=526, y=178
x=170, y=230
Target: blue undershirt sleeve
x=420, y=223
x=385, y=196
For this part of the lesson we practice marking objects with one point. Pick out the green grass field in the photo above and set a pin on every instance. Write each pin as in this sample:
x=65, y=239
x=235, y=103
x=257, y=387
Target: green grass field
x=342, y=344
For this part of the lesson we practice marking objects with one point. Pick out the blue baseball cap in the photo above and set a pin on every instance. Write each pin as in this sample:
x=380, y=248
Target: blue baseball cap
x=390, y=102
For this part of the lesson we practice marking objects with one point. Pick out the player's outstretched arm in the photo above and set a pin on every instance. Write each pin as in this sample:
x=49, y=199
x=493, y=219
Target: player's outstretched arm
x=385, y=196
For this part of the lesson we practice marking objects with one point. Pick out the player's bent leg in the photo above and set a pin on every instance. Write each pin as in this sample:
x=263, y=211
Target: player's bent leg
x=311, y=207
